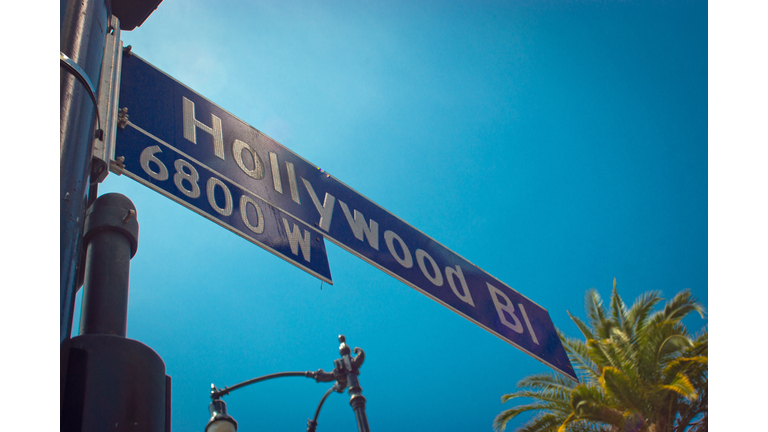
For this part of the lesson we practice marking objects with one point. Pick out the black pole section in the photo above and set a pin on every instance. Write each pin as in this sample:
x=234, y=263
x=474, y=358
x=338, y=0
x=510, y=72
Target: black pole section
x=83, y=31
x=111, y=239
x=356, y=400
x=109, y=382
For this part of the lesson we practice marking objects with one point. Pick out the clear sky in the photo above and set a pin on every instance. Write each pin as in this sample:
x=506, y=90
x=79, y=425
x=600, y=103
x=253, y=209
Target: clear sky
x=554, y=144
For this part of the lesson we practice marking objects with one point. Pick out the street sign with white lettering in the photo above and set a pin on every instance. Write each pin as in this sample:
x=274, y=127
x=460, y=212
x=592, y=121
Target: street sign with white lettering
x=169, y=171
x=174, y=114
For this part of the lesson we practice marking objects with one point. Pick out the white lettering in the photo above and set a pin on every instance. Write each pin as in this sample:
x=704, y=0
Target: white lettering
x=528, y=323
x=360, y=228
x=292, y=182
x=437, y=280
x=406, y=261
x=191, y=124
x=295, y=239
x=258, y=166
x=192, y=177
x=210, y=189
x=273, y=162
x=244, y=201
x=147, y=156
x=501, y=308
x=450, y=273
x=326, y=209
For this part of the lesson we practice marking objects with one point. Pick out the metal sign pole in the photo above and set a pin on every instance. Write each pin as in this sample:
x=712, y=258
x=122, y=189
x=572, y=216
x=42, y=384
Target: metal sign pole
x=356, y=399
x=87, y=27
x=84, y=26
x=107, y=380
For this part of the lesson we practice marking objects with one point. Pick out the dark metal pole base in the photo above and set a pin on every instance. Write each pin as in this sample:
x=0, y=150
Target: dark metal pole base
x=113, y=383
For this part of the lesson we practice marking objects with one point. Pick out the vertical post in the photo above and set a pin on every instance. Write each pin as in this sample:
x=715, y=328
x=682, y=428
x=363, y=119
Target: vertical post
x=109, y=382
x=83, y=25
x=111, y=240
x=356, y=400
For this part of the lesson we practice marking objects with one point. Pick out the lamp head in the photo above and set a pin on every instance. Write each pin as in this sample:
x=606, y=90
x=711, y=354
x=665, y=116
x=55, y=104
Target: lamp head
x=220, y=421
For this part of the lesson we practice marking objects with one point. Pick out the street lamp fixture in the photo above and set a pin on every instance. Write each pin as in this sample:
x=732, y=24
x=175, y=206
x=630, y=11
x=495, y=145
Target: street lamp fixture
x=220, y=421
x=345, y=372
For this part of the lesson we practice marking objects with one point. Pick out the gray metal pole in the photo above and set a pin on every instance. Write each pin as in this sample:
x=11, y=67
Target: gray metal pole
x=109, y=382
x=83, y=26
x=111, y=240
x=356, y=400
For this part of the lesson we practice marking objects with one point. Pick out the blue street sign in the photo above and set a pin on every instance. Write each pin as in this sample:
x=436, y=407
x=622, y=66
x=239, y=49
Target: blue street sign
x=176, y=175
x=174, y=114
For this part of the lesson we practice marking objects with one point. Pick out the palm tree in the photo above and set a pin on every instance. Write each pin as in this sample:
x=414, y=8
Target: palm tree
x=640, y=371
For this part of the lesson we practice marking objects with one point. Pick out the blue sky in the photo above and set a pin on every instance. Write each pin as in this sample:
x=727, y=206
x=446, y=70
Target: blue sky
x=556, y=145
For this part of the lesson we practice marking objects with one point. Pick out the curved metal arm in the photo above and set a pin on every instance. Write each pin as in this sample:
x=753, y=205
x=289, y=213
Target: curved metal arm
x=312, y=424
x=345, y=372
x=216, y=394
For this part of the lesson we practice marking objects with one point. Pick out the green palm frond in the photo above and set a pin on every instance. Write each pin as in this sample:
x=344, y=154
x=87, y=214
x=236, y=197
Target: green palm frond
x=618, y=308
x=652, y=355
x=591, y=403
x=678, y=308
x=695, y=365
x=696, y=371
x=588, y=426
x=641, y=309
x=624, y=352
x=501, y=420
x=681, y=385
x=585, y=330
x=621, y=338
x=541, y=423
x=599, y=353
x=587, y=399
x=596, y=313
x=547, y=381
x=605, y=353
x=618, y=386
x=563, y=426
x=552, y=396
x=579, y=355
x=674, y=344
x=702, y=338
x=640, y=370
x=700, y=346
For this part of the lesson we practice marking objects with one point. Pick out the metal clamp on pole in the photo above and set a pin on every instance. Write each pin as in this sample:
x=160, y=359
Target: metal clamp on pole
x=81, y=76
x=109, y=91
